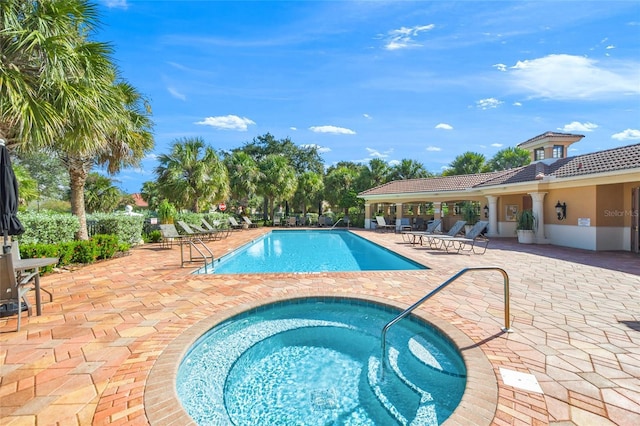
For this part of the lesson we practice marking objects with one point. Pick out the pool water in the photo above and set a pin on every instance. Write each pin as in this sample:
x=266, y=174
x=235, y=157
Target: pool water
x=316, y=361
x=310, y=251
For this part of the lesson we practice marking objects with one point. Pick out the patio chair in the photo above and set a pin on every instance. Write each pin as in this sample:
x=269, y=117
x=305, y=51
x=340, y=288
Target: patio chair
x=234, y=223
x=292, y=221
x=248, y=222
x=13, y=291
x=415, y=237
x=435, y=240
x=221, y=231
x=469, y=241
x=382, y=224
x=24, y=273
x=195, y=230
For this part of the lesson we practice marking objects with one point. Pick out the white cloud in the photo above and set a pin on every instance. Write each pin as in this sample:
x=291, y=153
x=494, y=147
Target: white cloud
x=500, y=67
x=611, y=46
x=367, y=116
x=378, y=154
x=433, y=149
x=629, y=134
x=120, y=4
x=332, y=129
x=393, y=162
x=549, y=77
x=293, y=128
x=404, y=37
x=578, y=127
x=488, y=103
x=176, y=94
x=496, y=145
x=444, y=126
x=227, y=122
x=517, y=104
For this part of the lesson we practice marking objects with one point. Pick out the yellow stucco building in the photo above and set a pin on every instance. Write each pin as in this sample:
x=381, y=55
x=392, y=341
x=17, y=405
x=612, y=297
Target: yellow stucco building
x=590, y=201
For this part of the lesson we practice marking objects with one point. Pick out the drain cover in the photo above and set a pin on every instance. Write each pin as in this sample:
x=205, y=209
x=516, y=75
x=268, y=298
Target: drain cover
x=520, y=380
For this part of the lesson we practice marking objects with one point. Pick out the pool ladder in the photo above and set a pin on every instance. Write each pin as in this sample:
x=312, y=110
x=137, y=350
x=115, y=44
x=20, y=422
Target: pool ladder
x=506, y=328
x=338, y=221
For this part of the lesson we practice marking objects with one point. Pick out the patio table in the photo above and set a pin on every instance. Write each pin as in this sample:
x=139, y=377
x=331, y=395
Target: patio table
x=20, y=265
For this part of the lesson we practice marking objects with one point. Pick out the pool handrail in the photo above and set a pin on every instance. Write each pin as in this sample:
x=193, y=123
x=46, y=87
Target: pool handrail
x=506, y=328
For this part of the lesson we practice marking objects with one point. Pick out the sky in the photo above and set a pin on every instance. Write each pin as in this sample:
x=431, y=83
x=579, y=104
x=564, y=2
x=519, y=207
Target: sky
x=426, y=80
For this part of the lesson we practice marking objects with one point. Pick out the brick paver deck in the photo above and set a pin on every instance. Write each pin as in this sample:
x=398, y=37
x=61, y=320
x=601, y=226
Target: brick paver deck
x=105, y=350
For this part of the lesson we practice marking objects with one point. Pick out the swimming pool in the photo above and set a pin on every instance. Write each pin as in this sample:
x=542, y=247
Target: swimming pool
x=299, y=251
x=316, y=361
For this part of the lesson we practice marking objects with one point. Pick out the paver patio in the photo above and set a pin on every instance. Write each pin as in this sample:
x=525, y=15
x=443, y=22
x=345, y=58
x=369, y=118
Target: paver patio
x=103, y=351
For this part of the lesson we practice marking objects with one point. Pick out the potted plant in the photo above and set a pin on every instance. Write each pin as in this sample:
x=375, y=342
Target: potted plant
x=525, y=226
x=469, y=214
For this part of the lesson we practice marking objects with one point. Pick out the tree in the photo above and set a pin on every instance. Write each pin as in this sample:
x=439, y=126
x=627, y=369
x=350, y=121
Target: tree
x=376, y=174
x=339, y=186
x=466, y=164
x=192, y=176
x=60, y=90
x=408, y=169
x=309, y=192
x=244, y=176
x=100, y=194
x=151, y=194
x=302, y=159
x=508, y=158
x=279, y=181
x=48, y=171
x=27, y=184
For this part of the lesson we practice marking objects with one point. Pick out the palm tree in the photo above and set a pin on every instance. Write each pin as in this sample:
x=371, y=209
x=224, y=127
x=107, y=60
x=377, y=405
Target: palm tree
x=101, y=195
x=339, y=186
x=46, y=68
x=508, y=158
x=467, y=163
x=244, y=176
x=408, y=169
x=192, y=176
x=310, y=188
x=279, y=182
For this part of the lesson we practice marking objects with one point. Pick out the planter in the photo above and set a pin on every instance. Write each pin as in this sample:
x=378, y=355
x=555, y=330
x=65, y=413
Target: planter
x=525, y=236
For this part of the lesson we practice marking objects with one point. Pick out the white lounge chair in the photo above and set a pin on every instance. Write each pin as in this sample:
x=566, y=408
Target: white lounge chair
x=248, y=222
x=234, y=223
x=381, y=224
x=435, y=240
x=415, y=237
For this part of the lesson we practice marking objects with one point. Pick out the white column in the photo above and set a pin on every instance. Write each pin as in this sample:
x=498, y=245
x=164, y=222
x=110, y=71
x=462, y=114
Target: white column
x=538, y=213
x=367, y=216
x=492, y=201
x=398, y=217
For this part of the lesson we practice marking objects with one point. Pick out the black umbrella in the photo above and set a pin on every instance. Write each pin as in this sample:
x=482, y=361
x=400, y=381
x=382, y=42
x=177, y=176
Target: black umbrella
x=9, y=222
x=286, y=208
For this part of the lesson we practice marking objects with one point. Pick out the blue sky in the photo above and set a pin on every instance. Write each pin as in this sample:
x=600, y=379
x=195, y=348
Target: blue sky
x=424, y=80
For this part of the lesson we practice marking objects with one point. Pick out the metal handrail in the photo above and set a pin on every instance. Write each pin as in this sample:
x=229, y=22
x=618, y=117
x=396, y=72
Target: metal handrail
x=337, y=222
x=506, y=328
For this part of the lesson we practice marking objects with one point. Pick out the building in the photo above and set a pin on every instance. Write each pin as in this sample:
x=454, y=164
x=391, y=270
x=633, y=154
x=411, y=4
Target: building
x=590, y=201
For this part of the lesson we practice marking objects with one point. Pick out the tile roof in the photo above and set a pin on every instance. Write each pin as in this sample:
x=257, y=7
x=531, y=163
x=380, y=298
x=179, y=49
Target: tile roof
x=554, y=135
x=626, y=157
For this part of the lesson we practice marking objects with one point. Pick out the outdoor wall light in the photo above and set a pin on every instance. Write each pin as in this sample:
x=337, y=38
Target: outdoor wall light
x=561, y=210
x=486, y=211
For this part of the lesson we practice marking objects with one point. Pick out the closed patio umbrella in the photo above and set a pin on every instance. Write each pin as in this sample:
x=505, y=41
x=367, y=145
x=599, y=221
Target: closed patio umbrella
x=9, y=222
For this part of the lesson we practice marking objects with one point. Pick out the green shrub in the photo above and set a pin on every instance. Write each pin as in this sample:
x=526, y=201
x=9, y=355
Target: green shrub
x=106, y=245
x=125, y=227
x=154, y=236
x=48, y=227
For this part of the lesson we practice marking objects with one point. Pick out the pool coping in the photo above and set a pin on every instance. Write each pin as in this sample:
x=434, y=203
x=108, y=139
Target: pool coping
x=162, y=406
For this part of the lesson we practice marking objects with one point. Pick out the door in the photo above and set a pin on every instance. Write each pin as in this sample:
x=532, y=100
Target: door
x=635, y=220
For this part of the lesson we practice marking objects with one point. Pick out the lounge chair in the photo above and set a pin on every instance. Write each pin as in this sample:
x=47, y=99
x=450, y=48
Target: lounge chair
x=435, y=240
x=248, y=222
x=415, y=237
x=234, y=223
x=469, y=241
x=196, y=231
x=193, y=242
x=13, y=291
x=382, y=225
x=221, y=232
x=292, y=221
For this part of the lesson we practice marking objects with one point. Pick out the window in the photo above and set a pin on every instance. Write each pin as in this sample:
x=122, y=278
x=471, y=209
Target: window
x=558, y=151
x=538, y=154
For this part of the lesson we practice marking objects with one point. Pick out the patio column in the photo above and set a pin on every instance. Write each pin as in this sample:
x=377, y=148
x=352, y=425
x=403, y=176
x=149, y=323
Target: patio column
x=398, y=217
x=538, y=213
x=367, y=216
x=492, y=201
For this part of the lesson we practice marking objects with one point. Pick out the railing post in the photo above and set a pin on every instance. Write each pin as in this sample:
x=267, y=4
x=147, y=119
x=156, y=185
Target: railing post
x=507, y=315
